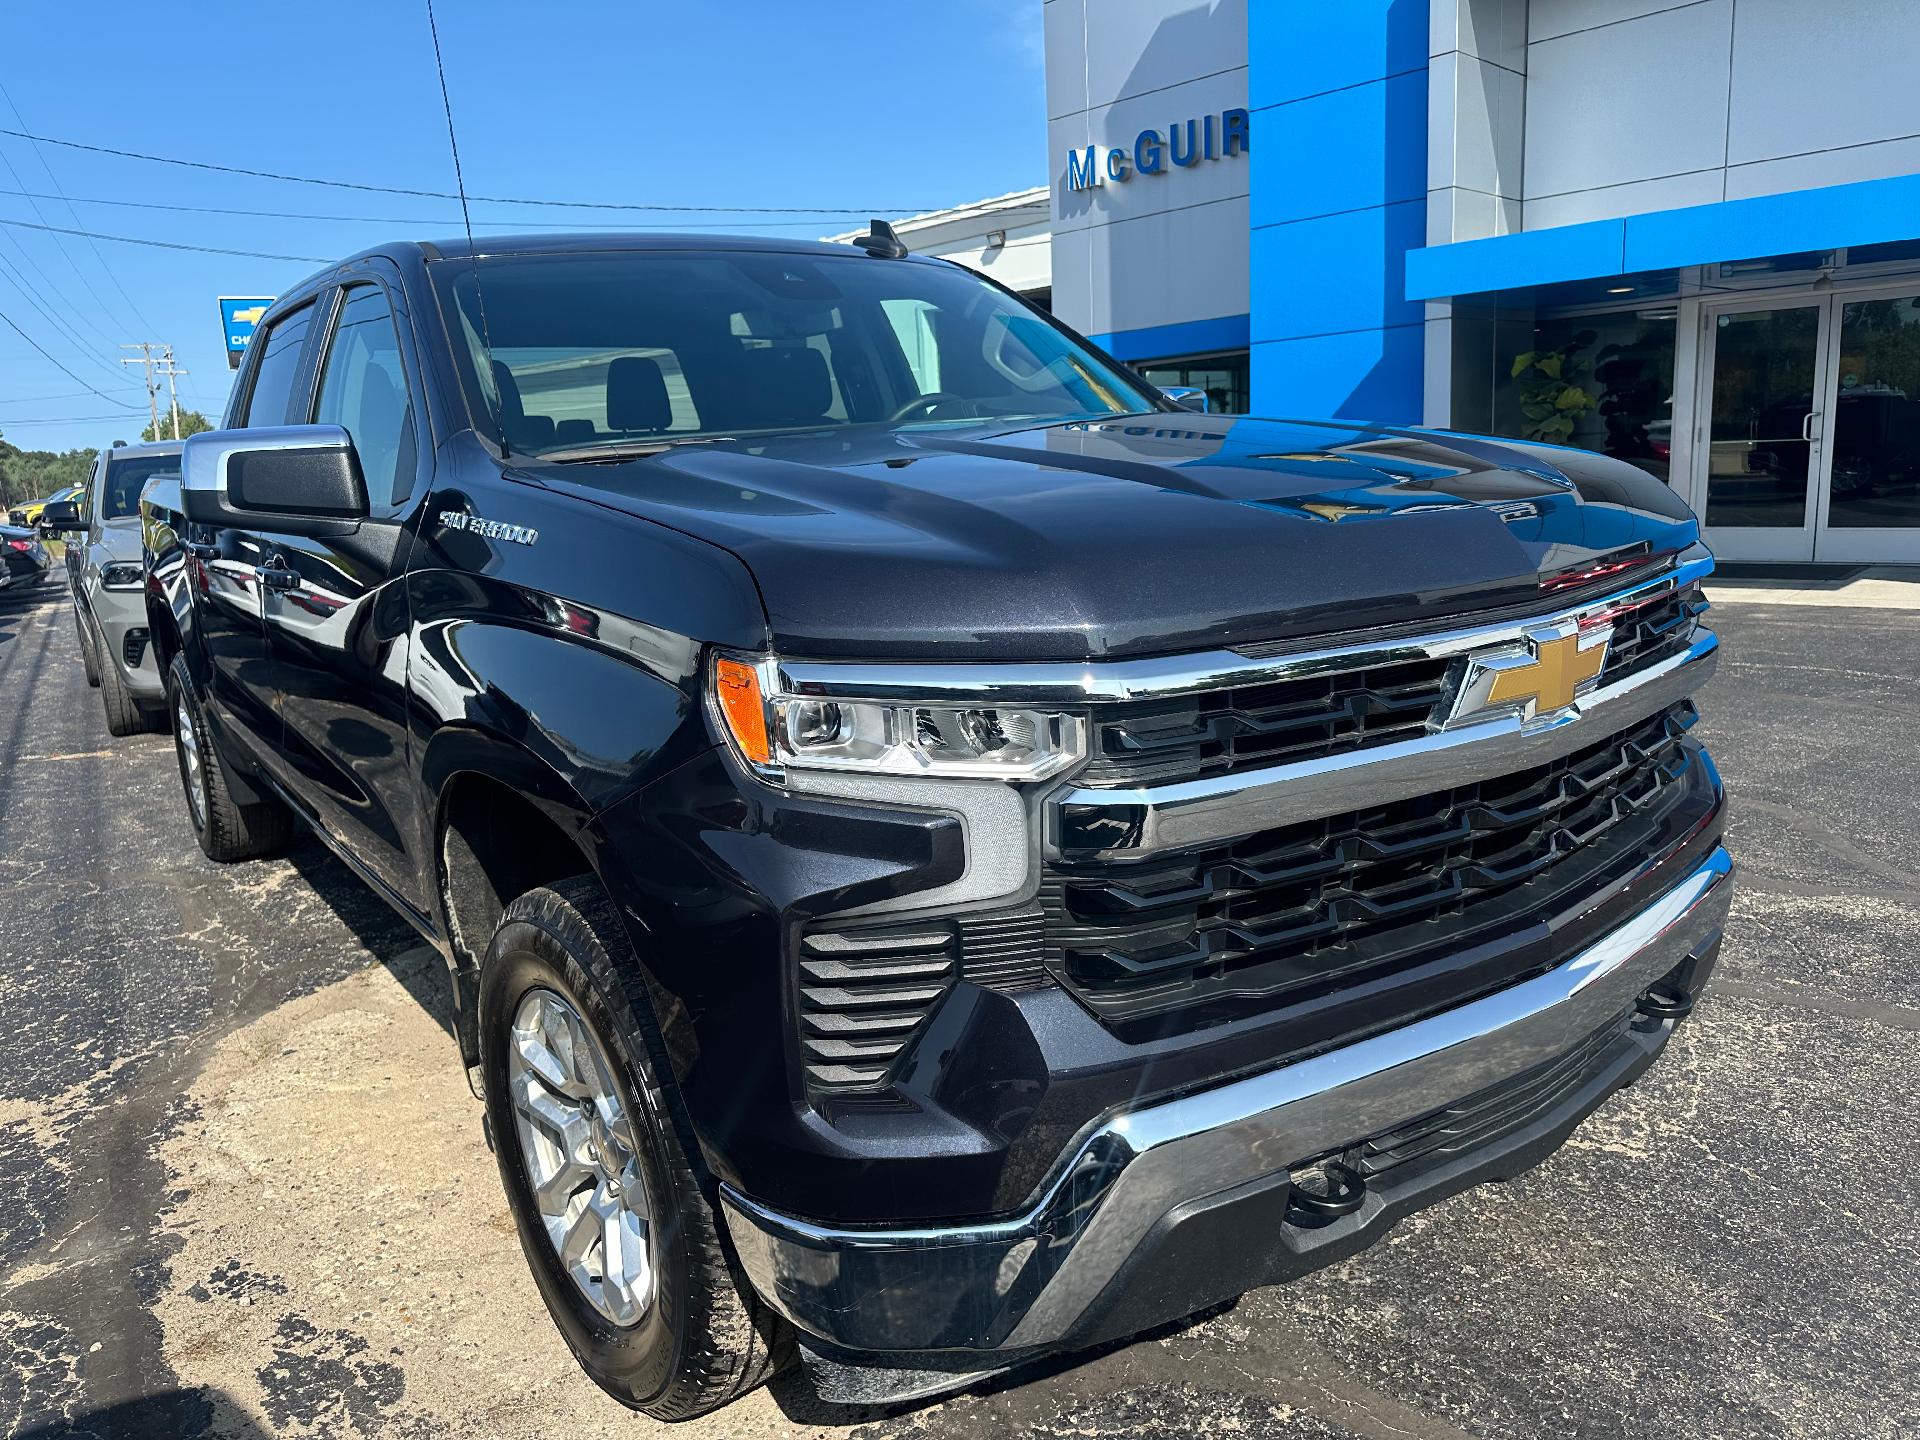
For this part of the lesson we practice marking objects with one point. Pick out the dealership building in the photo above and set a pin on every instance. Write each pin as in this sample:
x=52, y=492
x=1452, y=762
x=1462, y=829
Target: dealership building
x=1686, y=234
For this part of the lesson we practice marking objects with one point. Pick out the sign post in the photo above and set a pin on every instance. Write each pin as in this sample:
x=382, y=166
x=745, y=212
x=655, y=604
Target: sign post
x=239, y=316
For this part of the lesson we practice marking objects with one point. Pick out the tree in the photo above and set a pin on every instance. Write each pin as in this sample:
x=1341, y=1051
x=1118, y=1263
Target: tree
x=29, y=474
x=192, y=422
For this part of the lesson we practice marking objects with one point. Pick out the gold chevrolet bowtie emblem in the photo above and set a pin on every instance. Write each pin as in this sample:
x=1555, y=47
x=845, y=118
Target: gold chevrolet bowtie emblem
x=1558, y=668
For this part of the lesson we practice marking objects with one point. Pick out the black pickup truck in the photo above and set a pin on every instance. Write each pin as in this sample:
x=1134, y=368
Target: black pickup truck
x=943, y=855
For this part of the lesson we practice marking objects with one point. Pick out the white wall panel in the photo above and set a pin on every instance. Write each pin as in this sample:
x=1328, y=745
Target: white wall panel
x=1630, y=101
x=1825, y=167
x=1166, y=269
x=1137, y=46
x=1815, y=76
x=1064, y=28
x=1669, y=192
x=1562, y=17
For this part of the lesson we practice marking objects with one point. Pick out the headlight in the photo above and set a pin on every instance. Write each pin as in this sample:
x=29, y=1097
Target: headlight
x=121, y=575
x=773, y=731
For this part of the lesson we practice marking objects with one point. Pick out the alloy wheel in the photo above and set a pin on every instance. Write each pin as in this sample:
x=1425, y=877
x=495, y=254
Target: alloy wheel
x=192, y=772
x=579, y=1146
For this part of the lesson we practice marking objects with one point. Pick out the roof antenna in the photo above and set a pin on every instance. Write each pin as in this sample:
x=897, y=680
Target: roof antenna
x=453, y=143
x=880, y=241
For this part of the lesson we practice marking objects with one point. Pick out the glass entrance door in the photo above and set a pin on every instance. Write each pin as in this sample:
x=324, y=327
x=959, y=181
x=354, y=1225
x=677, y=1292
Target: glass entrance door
x=1871, y=502
x=1813, y=427
x=1766, y=369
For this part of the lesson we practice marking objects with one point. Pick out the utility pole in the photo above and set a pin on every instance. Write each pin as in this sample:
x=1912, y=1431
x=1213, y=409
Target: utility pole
x=153, y=390
x=172, y=372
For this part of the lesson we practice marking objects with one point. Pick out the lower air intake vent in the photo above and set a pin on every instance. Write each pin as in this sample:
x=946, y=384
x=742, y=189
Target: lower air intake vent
x=863, y=993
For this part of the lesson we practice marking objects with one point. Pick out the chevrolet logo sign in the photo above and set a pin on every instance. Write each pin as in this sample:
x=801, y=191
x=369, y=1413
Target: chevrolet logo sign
x=1540, y=677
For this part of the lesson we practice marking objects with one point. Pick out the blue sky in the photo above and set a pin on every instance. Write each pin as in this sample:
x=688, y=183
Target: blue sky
x=825, y=104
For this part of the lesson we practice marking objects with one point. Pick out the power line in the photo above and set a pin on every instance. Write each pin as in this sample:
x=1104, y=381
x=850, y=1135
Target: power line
x=93, y=245
x=93, y=389
x=169, y=244
x=450, y=195
x=62, y=420
x=64, y=330
x=406, y=220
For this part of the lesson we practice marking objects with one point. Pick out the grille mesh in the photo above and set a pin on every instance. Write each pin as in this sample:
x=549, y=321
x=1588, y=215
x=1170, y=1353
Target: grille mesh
x=1336, y=900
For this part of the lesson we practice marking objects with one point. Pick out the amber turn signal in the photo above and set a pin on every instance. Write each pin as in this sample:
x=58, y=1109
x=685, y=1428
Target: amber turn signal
x=743, y=707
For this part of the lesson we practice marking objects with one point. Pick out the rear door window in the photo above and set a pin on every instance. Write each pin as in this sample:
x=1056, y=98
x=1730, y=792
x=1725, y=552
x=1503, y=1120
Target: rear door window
x=279, y=371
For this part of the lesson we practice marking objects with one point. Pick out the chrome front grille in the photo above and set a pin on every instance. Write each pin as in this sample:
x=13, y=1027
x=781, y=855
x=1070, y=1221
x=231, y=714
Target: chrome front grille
x=1344, y=900
x=1229, y=731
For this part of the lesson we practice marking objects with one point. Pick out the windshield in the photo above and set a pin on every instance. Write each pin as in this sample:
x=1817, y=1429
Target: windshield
x=127, y=478
x=625, y=347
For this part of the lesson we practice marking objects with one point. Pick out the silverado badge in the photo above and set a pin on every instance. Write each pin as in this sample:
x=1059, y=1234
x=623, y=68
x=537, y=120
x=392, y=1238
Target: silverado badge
x=1540, y=675
x=492, y=529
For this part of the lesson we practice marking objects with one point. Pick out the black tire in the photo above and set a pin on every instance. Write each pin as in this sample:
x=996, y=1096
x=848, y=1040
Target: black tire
x=226, y=829
x=706, y=1339
x=125, y=715
x=87, y=656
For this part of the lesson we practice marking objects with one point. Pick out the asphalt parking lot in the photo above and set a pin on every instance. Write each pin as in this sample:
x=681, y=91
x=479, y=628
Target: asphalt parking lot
x=246, y=1192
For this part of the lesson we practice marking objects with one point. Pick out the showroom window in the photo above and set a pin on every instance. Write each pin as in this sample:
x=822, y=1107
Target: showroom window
x=1223, y=377
x=1601, y=381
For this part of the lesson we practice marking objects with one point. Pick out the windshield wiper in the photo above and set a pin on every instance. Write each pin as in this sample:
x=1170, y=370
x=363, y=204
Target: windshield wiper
x=622, y=449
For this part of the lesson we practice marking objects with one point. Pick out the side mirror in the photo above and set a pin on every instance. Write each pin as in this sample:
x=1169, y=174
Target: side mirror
x=296, y=479
x=61, y=515
x=1189, y=397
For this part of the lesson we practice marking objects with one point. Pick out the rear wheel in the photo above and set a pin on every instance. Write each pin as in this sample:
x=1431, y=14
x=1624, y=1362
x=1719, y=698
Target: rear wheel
x=226, y=829
x=615, y=1218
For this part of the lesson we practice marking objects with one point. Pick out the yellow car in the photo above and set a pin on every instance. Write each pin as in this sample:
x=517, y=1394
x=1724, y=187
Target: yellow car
x=29, y=514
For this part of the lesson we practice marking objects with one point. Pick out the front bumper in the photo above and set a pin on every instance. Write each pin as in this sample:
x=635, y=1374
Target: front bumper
x=1168, y=1208
x=120, y=620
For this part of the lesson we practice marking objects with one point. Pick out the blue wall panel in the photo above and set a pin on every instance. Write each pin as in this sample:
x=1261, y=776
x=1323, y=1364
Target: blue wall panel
x=1361, y=375
x=1869, y=212
x=1297, y=48
x=1191, y=337
x=1339, y=91
x=1314, y=144
x=1336, y=273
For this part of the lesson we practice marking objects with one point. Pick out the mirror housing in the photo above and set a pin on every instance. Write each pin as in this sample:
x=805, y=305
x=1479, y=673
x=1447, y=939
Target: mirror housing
x=1189, y=397
x=296, y=479
x=61, y=515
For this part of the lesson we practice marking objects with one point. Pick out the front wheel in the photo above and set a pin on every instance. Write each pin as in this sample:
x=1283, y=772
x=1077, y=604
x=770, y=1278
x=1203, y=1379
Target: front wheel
x=615, y=1221
x=88, y=660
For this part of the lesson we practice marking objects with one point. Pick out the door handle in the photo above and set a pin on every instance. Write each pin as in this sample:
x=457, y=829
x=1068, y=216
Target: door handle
x=276, y=577
x=1806, y=425
x=204, y=552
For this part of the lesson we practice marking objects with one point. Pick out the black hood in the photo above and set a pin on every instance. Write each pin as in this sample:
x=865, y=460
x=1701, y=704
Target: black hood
x=1135, y=536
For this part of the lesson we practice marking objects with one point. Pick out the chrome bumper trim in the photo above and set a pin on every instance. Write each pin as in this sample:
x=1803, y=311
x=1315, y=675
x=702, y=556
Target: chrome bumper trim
x=1022, y=1285
x=1088, y=823
x=1045, y=683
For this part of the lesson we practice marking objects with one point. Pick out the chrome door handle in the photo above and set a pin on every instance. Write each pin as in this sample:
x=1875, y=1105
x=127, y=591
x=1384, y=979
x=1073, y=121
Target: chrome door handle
x=1806, y=425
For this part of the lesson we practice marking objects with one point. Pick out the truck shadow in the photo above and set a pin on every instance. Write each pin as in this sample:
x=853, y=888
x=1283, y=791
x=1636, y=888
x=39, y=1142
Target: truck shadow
x=175, y=1414
x=794, y=1392
x=377, y=928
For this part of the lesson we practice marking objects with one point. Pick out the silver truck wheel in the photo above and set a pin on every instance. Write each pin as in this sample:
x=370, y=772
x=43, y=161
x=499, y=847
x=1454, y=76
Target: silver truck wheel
x=577, y=1142
x=193, y=774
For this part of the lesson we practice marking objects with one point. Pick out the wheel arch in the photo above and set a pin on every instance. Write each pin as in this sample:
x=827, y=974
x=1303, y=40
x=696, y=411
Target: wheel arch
x=504, y=822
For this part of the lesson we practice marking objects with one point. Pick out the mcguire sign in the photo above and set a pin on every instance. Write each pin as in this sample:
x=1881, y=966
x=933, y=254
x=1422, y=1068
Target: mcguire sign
x=1186, y=143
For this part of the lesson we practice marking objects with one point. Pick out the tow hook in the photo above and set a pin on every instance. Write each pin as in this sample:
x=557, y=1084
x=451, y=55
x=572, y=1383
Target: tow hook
x=1336, y=1190
x=1665, y=1001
